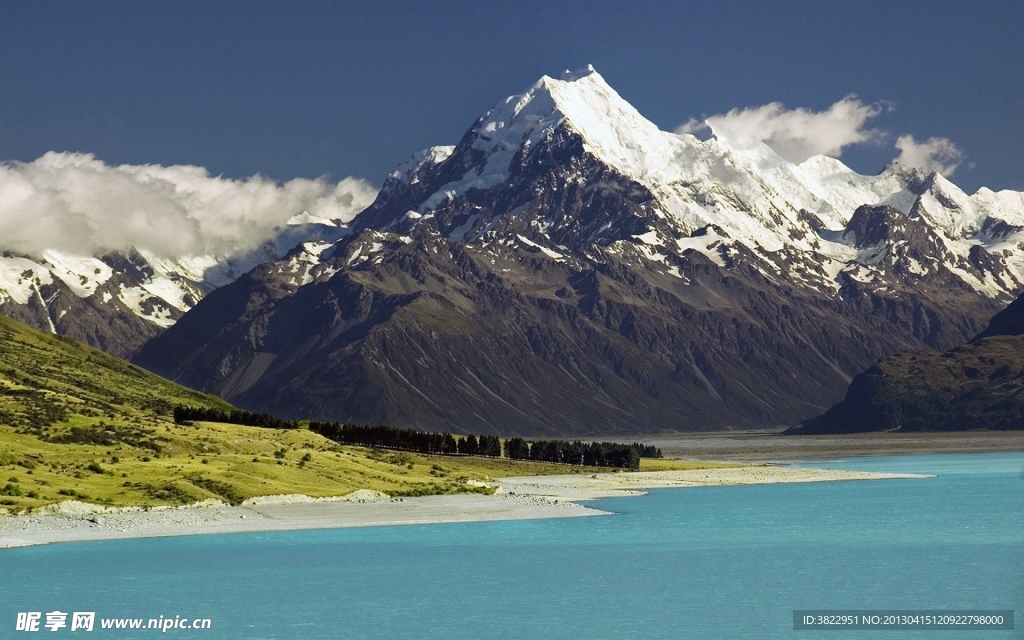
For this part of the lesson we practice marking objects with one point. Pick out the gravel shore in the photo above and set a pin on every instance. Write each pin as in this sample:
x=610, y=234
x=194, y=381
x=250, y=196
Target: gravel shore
x=772, y=446
x=605, y=485
x=514, y=499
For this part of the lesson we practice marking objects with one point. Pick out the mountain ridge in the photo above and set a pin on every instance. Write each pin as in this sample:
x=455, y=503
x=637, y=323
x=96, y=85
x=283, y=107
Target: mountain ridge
x=539, y=279
x=977, y=385
x=120, y=299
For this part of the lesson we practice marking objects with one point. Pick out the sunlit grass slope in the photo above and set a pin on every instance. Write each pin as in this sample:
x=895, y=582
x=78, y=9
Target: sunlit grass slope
x=47, y=379
x=231, y=463
x=76, y=423
x=665, y=464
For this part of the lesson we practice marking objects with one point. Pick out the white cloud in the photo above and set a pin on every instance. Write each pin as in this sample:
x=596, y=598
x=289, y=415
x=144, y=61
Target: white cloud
x=75, y=203
x=934, y=154
x=795, y=134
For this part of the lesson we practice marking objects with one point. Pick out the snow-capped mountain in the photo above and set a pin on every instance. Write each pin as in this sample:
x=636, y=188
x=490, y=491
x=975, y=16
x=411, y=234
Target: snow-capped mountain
x=569, y=267
x=704, y=196
x=119, y=300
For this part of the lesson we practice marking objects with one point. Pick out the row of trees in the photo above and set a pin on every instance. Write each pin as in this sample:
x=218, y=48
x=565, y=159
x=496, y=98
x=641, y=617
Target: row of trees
x=647, y=450
x=480, y=446
x=594, y=454
x=235, y=416
x=408, y=439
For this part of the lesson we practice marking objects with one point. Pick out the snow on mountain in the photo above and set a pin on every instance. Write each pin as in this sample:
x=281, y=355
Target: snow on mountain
x=20, y=279
x=779, y=210
x=156, y=290
x=409, y=171
x=676, y=168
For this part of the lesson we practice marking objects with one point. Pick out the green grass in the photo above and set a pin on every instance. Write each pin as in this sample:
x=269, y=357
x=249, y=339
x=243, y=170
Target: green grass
x=48, y=380
x=232, y=463
x=665, y=464
x=76, y=423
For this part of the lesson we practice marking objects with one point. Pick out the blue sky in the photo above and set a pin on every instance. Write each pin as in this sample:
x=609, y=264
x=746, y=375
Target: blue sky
x=303, y=89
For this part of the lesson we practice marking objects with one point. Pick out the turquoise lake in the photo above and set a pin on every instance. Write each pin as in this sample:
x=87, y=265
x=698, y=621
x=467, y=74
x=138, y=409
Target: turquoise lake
x=716, y=562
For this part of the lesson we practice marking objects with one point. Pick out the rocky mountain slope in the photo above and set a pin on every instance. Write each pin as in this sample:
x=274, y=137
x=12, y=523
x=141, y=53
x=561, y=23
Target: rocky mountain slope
x=568, y=268
x=979, y=385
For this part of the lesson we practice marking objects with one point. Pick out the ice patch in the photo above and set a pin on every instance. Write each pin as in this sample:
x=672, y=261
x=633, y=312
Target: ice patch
x=135, y=297
x=83, y=275
x=459, y=232
x=19, y=278
x=651, y=237
x=548, y=252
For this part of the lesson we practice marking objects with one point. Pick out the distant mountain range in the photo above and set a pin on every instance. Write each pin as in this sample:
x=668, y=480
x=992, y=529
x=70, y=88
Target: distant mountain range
x=568, y=268
x=119, y=300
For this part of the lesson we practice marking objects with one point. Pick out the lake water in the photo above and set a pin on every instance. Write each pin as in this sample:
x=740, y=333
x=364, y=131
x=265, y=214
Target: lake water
x=716, y=562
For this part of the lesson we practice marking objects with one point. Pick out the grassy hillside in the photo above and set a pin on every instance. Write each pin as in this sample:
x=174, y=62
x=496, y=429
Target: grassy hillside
x=49, y=381
x=76, y=423
x=230, y=462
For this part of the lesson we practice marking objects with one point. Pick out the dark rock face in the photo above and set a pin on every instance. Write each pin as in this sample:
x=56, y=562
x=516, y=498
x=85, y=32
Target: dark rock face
x=979, y=385
x=870, y=226
x=117, y=331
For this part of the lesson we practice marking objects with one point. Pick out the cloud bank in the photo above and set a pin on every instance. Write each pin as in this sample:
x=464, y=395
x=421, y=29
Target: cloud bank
x=798, y=134
x=795, y=134
x=74, y=203
x=934, y=154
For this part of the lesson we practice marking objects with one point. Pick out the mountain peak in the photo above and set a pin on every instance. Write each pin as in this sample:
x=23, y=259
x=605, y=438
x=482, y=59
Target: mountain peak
x=582, y=97
x=582, y=166
x=581, y=100
x=570, y=75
